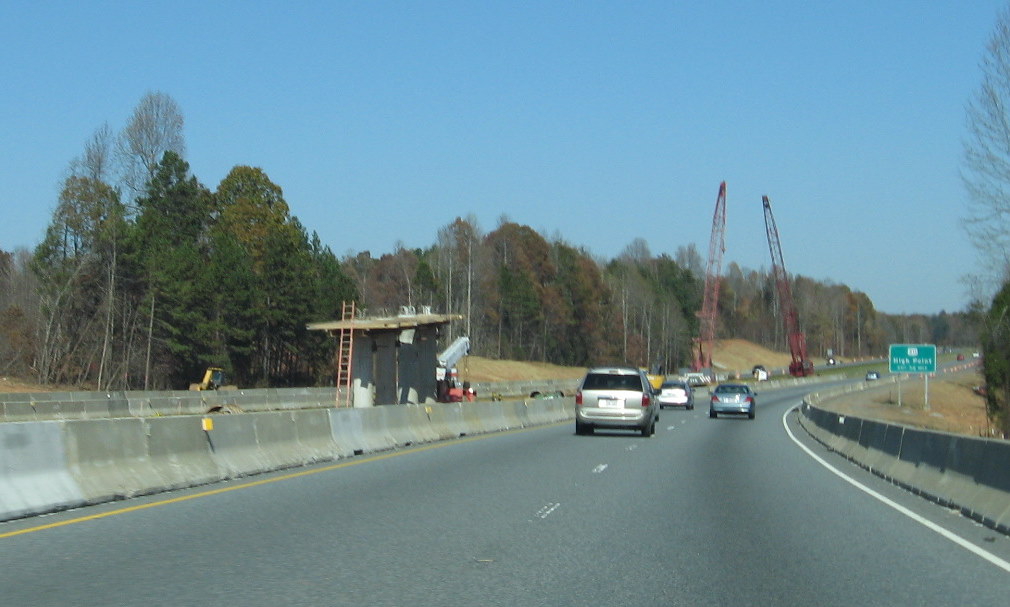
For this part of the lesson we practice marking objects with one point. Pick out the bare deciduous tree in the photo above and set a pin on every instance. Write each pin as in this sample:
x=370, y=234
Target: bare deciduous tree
x=95, y=162
x=986, y=163
x=154, y=128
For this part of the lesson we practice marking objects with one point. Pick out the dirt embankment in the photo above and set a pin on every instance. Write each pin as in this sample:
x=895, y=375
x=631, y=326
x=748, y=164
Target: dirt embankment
x=742, y=355
x=478, y=368
x=12, y=384
x=729, y=354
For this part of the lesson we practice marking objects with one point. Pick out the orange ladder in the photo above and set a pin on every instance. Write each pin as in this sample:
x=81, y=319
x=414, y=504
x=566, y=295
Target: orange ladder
x=345, y=355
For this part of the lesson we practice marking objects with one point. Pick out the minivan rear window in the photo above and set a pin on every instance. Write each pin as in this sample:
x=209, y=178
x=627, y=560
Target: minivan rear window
x=604, y=381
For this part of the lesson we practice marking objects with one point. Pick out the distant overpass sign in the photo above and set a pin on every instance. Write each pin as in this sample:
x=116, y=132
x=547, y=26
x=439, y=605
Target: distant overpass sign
x=912, y=358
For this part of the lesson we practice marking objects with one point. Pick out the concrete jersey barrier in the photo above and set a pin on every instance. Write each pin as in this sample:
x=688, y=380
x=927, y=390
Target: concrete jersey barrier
x=52, y=465
x=962, y=472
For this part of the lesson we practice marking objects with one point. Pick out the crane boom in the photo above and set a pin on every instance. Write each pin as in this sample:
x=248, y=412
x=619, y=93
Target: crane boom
x=800, y=365
x=456, y=350
x=713, y=273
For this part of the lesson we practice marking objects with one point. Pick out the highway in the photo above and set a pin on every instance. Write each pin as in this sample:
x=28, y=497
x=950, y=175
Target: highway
x=706, y=512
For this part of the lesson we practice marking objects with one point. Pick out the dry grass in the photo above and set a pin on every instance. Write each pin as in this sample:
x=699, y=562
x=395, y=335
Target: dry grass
x=478, y=368
x=731, y=354
x=13, y=384
x=742, y=355
x=953, y=407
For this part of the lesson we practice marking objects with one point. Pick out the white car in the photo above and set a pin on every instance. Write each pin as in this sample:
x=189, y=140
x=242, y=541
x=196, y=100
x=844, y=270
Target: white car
x=676, y=394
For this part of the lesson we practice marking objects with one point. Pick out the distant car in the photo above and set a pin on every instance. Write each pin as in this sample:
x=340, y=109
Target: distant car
x=616, y=397
x=960, y=356
x=676, y=394
x=872, y=375
x=732, y=398
x=759, y=373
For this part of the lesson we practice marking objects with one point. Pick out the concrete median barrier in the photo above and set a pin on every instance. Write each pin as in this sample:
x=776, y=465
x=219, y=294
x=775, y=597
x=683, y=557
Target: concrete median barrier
x=409, y=424
x=560, y=409
x=447, y=420
x=315, y=440
x=277, y=438
x=34, y=474
x=348, y=432
x=109, y=458
x=17, y=412
x=472, y=419
x=376, y=435
x=966, y=457
x=539, y=411
x=991, y=504
x=234, y=446
x=519, y=412
x=491, y=415
x=180, y=452
x=123, y=444
x=882, y=443
x=962, y=472
x=922, y=461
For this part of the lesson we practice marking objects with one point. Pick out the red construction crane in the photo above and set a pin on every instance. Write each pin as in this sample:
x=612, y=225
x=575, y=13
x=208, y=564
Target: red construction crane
x=713, y=272
x=800, y=365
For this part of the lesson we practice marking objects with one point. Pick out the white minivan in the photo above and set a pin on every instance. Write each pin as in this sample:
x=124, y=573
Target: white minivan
x=616, y=398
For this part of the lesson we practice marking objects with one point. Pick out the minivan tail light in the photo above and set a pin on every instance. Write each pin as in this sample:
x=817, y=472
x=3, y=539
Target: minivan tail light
x=578, y=397
x=645, y=399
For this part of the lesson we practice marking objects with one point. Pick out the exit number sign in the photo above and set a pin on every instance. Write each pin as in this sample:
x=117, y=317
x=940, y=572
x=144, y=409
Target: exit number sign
x=912, y=358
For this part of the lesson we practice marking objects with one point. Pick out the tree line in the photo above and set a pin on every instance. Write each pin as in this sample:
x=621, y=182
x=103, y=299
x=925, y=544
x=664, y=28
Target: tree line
x=146, y=276
x=986, y=177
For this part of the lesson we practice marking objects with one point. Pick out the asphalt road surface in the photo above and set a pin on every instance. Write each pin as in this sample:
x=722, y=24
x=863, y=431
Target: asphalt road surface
x=706, y=512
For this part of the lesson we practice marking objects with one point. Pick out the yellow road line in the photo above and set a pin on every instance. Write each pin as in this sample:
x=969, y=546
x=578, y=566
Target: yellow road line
x=276, y=479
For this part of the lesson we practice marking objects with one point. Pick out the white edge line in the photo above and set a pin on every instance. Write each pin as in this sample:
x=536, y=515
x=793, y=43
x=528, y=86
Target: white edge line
x=957, y=539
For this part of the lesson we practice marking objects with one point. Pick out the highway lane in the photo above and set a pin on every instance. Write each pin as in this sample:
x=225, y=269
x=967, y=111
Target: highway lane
x=707, y=512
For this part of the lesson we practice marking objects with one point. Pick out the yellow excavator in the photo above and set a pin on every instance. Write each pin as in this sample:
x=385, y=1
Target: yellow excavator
x=213, y=379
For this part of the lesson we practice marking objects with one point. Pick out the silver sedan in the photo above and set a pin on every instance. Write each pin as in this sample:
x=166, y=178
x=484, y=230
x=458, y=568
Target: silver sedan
x=732, y=398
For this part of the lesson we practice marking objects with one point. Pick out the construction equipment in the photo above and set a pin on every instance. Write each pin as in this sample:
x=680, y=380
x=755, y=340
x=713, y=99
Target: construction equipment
x=713, y=271
x=800, y=366
x=214, y=378
x=446, y=374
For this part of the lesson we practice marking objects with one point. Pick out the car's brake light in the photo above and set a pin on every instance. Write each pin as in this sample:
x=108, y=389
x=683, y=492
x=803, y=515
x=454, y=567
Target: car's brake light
x=645, y=399
x=578, y=397
x=750, y=399
x=715, y=399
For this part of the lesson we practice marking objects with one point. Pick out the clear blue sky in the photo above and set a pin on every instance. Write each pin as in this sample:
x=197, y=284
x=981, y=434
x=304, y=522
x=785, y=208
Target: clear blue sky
x=600, y=122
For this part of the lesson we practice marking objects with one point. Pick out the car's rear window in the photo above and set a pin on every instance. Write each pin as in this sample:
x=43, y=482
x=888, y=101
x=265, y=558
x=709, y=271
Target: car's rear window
x=606, y=381
x=731, y=389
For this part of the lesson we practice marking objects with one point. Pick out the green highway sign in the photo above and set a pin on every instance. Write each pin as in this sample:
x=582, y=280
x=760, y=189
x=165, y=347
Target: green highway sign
x=912, y=358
